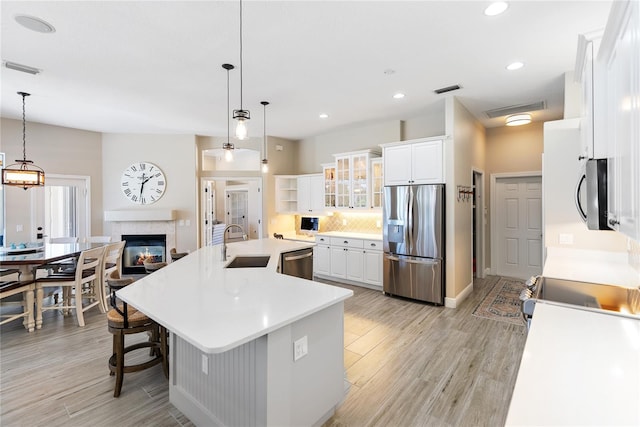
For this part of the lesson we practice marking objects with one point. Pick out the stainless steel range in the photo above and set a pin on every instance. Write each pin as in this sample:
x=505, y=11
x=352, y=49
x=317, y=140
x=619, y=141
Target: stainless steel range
x=585, y=295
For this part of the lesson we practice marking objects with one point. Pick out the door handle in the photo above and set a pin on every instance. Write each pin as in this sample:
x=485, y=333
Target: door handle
x=297, y=257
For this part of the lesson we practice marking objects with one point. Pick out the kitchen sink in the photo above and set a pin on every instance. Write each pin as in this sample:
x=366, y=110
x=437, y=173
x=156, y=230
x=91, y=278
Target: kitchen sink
x=249, y=261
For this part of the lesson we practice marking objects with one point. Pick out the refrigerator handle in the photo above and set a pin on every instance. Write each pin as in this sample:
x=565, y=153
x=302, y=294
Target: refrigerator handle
x=410, y=219
x=428, y=261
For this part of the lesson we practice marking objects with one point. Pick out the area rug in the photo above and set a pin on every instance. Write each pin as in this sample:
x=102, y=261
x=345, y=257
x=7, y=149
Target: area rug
x=502, y=303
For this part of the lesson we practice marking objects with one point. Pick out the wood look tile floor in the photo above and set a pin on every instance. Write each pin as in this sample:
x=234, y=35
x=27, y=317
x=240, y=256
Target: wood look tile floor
x=408, y=364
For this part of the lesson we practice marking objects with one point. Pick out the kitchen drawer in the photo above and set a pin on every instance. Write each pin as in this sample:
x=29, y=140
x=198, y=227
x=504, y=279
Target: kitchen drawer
x=323, y=239
x=372, y=245
x=346, y=242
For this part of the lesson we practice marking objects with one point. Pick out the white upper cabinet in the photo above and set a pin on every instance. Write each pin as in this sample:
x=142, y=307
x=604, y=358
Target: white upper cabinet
x=590, y=74
x=310, y=192
x=620, y=55
x=419, y=161
x=329, y=172
x=352, y=179
x=286, y=194
x=377, y=183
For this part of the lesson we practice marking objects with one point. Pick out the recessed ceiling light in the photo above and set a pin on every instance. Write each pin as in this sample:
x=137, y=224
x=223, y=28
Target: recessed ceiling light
x=398, y=95
x=518, y=120
x=496, y=8
x=324, y=116
x=35, y=24
x=515, y=66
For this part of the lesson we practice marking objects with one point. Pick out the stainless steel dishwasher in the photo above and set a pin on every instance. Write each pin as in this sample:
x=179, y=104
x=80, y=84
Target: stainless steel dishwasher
x=298, y=263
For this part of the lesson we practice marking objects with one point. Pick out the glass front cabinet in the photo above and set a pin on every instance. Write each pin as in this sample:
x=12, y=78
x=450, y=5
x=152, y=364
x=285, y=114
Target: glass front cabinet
x=377, y=183
x=353, y=172
x=329, y=172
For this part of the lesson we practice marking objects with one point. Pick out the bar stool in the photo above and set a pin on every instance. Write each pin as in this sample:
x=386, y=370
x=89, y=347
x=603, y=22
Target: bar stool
x=125, y=320
x=150, y=267
x=177, y=255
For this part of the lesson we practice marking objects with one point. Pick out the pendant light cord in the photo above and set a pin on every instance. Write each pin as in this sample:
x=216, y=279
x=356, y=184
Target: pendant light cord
x=24, y=130
x=241, y=55
x=264, y=123
x=228, y=131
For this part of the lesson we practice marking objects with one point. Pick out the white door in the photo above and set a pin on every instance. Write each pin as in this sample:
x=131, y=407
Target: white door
x=208, y=211
x=519, y=226
x=62, y=208
x=237, y=213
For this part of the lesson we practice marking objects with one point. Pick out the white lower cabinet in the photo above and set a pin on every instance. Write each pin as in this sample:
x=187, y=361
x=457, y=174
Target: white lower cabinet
x=353, y=261
x=372, y=267
x=322, y=259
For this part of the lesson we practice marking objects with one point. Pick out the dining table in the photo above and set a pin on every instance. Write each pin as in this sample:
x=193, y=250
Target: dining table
x=28, y=258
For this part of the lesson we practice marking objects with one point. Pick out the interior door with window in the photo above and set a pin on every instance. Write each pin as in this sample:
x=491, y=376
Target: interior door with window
x=237, y=212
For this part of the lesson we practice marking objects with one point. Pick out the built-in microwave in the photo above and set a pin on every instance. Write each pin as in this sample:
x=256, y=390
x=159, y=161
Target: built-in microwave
x=592, y=205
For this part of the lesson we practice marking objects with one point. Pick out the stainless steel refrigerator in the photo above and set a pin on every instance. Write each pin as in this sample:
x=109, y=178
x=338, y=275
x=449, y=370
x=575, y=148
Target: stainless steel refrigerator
x=413, y=232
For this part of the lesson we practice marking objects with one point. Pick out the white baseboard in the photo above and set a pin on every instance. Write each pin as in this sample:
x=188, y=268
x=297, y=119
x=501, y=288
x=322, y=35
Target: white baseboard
x=487, y=271
x=454, y=302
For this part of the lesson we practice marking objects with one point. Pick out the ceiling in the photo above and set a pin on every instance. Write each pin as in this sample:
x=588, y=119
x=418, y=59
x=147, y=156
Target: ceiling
x=156, y=66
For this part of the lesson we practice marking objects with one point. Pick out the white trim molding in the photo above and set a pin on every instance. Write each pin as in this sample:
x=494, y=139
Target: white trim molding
x=456, y=301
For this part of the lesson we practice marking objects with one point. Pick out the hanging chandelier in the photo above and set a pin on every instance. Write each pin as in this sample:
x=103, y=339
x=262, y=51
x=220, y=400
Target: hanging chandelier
x=228, y=146
x=265, y=162
x=24, y=173
x=241, y=115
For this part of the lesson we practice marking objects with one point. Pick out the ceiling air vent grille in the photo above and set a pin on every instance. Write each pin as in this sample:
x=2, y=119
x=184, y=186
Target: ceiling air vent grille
x=447, y=89
x=20, y=67
x=515, y=109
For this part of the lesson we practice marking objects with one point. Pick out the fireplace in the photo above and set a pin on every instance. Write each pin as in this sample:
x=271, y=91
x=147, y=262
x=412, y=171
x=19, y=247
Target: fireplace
x=142, y=247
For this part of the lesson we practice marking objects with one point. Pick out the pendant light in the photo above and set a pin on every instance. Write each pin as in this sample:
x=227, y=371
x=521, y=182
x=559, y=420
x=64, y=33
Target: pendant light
x=23, y=173
x=241, y=115
x=228, y=146
x=265, y=162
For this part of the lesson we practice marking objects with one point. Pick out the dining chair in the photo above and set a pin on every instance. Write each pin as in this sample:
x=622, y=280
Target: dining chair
x=66, y=265
x=26, y=288
x=111, y=261
x=123, y=320
x=177, y=255
x=99, y=239
x=83, y=284
x=15, y=272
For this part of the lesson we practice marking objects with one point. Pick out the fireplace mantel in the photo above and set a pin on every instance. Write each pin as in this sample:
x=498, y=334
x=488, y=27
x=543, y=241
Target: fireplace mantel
x=140, y=215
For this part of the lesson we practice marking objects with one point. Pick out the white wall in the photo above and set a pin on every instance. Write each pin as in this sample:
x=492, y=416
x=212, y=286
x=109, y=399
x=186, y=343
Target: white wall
x=428, y=122
x=176, y=156
x=320, y=149
x=58, y=150
x=560, y=175
x=464, y=150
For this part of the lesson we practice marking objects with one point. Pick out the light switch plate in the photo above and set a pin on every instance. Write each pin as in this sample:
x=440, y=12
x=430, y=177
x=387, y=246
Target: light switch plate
x=300, y=348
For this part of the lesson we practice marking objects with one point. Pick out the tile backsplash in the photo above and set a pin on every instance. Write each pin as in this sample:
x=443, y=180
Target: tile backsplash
x=350, y=222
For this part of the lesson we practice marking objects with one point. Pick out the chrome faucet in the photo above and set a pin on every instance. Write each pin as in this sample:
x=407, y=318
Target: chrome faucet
x=224, y=239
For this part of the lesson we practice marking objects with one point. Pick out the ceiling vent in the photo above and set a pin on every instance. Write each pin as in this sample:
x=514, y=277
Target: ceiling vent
x=447, y=89
x=23, y=68
x=516, y=109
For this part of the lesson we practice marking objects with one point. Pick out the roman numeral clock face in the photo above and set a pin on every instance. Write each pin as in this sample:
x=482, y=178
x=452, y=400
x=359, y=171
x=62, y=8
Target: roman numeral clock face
x=143, y=183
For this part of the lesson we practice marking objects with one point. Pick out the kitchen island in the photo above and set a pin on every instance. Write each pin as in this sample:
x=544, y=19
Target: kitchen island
x=248, y=346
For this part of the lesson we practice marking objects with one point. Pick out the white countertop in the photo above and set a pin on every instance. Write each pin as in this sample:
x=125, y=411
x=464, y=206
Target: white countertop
x=350, y=235
x=299, y=237
x=610, y=268
x=217, y=309
x=578, y=368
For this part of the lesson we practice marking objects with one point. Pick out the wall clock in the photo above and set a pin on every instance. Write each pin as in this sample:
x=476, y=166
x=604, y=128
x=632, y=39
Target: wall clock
x=143, y=183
